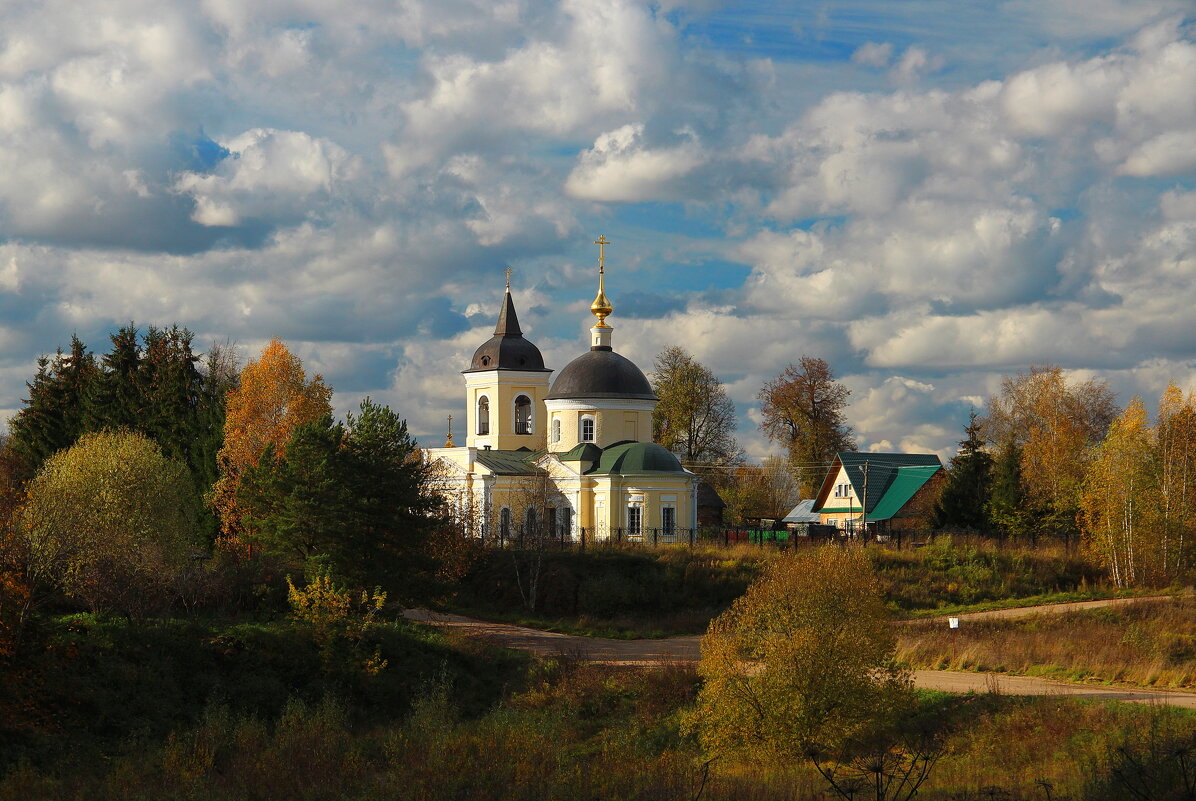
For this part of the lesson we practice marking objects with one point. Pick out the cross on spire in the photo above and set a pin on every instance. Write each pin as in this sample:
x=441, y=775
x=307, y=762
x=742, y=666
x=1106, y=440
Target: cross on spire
x=508, y=271
x=448, y=441
x=601, y=242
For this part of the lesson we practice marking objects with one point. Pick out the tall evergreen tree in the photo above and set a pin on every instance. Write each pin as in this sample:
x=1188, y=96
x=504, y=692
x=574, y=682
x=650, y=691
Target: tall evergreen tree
x=53, y=416
x=115, y=399
x=963, y=503
x=354, y=498
x=1006, y=506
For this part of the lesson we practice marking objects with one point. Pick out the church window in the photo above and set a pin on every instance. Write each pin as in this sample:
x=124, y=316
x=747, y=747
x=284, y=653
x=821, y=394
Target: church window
x=587, y=429
x=523, y=415
x=668, y=519
x=564, y=521
x=483, y=415
x=530, y=527
x=504, y=523
x=556, y=429
x=635, y=520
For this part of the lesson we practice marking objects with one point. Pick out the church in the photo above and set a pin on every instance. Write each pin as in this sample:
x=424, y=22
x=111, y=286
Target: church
x=563, y=456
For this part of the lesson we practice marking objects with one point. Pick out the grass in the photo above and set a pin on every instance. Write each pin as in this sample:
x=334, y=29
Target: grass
x=91, y=684
x=584, y=731
x=633, y=593
x=1152, y=643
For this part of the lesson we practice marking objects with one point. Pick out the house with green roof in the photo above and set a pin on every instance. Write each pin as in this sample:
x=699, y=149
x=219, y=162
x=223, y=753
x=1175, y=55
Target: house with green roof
x=878, y=493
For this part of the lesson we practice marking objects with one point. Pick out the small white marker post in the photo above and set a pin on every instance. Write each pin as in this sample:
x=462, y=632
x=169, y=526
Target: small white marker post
x=953, y=622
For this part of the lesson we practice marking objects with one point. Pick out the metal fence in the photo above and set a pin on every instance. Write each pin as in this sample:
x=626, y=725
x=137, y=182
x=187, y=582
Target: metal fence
x=564, y=538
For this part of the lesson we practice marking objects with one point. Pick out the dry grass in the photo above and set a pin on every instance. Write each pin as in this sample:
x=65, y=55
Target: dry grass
x=1148, y=644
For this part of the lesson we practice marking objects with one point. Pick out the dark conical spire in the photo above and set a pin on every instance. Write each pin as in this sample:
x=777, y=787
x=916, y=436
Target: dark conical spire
x=507, y=349
x=508, y=321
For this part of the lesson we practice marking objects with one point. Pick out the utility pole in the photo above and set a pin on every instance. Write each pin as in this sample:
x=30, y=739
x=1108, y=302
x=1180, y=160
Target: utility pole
x=864, y=502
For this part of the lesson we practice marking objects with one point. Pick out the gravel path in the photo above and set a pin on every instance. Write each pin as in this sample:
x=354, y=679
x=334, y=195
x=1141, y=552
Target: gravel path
x=653, y=653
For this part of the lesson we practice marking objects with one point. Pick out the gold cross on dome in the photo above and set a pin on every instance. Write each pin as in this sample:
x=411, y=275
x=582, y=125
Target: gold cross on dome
x=508, y=271
x=601, y=242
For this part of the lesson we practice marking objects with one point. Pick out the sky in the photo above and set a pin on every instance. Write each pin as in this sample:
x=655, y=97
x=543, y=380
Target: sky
x=929, y=194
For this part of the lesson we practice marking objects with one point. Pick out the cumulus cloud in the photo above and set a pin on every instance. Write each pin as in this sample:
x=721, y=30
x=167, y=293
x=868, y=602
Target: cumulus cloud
x=354, y=177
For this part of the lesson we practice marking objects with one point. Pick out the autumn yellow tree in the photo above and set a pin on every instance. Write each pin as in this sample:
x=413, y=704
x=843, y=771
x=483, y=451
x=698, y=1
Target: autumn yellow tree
x=1054, y=424
x=274, y=398
x=1175, y=465
x=1120, y=503
x=801, y=663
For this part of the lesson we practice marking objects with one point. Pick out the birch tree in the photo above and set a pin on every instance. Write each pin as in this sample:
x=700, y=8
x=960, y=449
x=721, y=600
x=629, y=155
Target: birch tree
x=1175, y=466
x=1120, y=501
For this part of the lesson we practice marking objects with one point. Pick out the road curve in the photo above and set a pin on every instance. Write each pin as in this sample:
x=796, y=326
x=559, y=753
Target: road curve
x=686, y=650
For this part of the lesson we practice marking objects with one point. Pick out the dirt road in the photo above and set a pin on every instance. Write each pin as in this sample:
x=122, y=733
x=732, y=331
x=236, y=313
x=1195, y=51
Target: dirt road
x=1049, y=609
x=652, y=653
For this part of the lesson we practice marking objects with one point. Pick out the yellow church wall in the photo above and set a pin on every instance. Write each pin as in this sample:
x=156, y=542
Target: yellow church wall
x=610, y=426
x=501, y=395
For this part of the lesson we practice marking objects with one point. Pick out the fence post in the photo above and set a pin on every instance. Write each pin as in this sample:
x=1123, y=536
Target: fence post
x=582, y=531
x=655, y=537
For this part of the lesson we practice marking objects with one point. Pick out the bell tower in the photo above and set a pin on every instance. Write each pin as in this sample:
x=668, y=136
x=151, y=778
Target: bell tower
x=505, y=387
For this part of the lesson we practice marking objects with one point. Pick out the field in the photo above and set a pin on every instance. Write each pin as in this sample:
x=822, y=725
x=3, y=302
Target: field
x=578, y=731
x=272, y=708
x=636, y=592
x=1147, y=644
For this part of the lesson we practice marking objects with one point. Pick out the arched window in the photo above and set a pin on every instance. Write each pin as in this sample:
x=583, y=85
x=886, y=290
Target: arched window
x=556, y=429
x=530, y=527
x=523, y=415
x=587, y=429
x=483, y=415
x=504, y=523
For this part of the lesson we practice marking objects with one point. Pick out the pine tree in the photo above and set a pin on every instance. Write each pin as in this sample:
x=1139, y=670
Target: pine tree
x=969, y=482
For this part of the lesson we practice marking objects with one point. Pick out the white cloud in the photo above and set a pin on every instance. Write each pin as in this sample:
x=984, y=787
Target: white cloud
x=873, y=54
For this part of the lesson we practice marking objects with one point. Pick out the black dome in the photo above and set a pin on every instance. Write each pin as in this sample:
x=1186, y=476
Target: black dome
x=507, y=349
x=601, y=373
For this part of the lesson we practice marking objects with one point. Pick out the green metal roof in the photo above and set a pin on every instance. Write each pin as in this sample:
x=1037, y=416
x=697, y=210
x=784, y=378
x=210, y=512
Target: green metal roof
x=585, y=452
x=636, y=458
x=509, y=463
x=892, y=479
x=905, y=483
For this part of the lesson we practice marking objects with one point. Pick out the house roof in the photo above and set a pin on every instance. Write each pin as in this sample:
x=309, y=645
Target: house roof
x=892, y=479
x=708, y=497
x=802, y=513
x=509, y=463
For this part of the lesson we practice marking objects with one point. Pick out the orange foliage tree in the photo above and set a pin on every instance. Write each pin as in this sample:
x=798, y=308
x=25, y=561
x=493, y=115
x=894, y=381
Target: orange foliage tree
x=273, y=399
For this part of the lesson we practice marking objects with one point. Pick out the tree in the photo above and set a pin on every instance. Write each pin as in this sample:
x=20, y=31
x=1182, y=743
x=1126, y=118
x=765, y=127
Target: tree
x=1055, y=425
x=767, y=490
x=353, y=497
x=271, y=401
x=694, y=418
x=110, y=521
x=969, y=483
x=1175, y=469
x=802, y=408
x=53, y=415
x=802, y=663
x=1120, y=500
